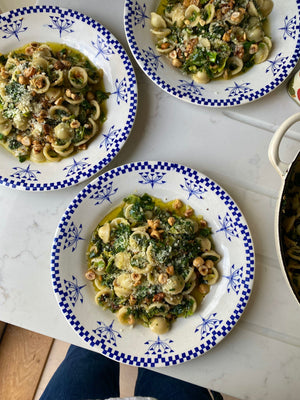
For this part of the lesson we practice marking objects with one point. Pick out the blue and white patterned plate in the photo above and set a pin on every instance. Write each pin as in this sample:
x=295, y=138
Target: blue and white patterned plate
x=220, y=310
x=54, y=24
x=254, y=84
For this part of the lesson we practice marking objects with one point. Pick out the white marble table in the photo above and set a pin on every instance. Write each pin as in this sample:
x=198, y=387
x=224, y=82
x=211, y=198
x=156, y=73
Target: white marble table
x=260, y=358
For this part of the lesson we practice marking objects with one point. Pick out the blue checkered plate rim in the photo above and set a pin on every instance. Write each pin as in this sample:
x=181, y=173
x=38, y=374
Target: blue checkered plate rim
x=257, y=82
x=188, y=337
x=59, y=25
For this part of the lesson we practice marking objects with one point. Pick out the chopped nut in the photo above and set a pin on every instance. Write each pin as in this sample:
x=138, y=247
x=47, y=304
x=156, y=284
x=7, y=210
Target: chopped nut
x=189, y=212
x=198, y=261
x=177, y=204
x=203, y=223
x=82, y=146
x=132, y=300
x=29, y=72
x=136, y=278
x=59, y=101
x=75, y=96
x=226, y=36
x=75, y=124
x=187, y=3
x=37, y=147
x=162, y=278
x=158, y=297
x=203, y=288
x=165, y=45
x=253, y=48
x=46, y=129
x=209, y=263
x=154, y=224
x=176, y=63
x=29, y=51
x=49, y=138
x=4, y=74
x=239, y=51
x=171, y=221
x=26, y=141
x=90, y=275
x=68, y=93
x=156, y=234
x=203, y=270
x=23, y=80
x=66, y=63
x=173, y=54
x=170, y=270
x=58, y=65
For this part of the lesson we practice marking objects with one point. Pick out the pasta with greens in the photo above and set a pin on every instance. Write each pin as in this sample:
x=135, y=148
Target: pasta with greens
x=51, y=101
x=152, y=262
x=209, y=39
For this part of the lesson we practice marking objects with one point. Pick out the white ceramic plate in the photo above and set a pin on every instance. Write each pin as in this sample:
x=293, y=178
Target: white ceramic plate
x=252, y=85
x=54, y=24
x=220, y=310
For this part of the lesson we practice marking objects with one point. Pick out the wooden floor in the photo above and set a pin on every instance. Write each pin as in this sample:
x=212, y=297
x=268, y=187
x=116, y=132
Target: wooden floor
x=28, y=361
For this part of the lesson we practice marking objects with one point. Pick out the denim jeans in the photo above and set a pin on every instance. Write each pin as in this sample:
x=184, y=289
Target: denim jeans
x=84, y=374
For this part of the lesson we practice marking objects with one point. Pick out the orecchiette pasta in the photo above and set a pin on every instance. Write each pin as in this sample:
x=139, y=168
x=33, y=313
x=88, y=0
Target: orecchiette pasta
x=155, y=259
x=210, y=39
x=51, y=101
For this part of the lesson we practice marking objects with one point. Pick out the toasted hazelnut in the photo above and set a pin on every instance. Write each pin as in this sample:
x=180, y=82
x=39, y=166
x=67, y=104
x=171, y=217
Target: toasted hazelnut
x=90, y=275
x=75, y=124
x=162, y=278
x=170, y=270
x=171, y=221
x=23, y=80
x=198, y=261
x=203, y=288
x=189, y=212
x=177, y=204
x=26, y=141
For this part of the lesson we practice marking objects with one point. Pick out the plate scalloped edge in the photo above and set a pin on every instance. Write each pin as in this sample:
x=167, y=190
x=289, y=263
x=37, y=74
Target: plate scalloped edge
x=237, y=282
x=27, y=176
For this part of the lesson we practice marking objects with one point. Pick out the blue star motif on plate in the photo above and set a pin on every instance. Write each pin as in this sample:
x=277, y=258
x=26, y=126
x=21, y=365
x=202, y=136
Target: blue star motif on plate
x=152, y=178
x=105, y=193
x=73, y=236
x=103, y=48
x=193, y=189
x=77, y=166
x=73, y=290
x=152, y=59
x=159, y=346
x=237, y=89
x=25, y=173
x=234, y=279
x=190, y=87
x=110, y=137
x=208, y=325
x=13, y=29
x=227, y=227
x=275, y=66
x=140, y=14
x=61, y=24
x=290, y=27
x=107, y=332
x=121, y=90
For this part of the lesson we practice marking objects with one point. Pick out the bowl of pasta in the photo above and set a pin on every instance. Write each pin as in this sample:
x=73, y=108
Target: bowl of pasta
x=287, y=220
x=67, y=101
x=149, y=253
x=211, y=53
